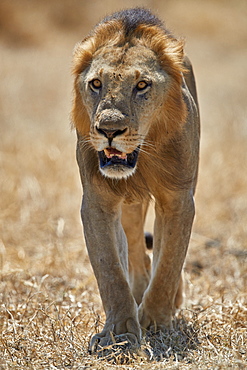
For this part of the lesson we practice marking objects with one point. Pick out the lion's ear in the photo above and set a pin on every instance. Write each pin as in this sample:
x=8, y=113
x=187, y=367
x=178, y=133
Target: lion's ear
x=107, y=33
x=82, y=55
x=175, y=50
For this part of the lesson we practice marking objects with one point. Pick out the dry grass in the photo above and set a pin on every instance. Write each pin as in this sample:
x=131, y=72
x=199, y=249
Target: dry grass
x=49, y=304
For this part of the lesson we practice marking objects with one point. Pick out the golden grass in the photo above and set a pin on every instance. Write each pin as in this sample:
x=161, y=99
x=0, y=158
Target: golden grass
x=49, y=303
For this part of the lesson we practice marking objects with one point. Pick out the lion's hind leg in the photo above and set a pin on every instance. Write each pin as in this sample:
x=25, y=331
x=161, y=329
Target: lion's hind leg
x=180, y=293
x=133, y=218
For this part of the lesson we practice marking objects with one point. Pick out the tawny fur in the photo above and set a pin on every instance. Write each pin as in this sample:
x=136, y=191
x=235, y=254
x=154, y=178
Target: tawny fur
x=164, y=123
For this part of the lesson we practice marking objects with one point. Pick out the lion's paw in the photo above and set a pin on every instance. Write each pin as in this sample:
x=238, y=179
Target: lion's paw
x=111, y=346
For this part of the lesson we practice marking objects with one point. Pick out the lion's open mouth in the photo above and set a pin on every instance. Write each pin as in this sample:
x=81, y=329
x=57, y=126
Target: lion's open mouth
x=112, y=157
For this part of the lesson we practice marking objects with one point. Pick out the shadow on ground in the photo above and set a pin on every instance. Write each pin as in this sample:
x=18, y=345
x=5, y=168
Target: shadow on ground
x=177, y=343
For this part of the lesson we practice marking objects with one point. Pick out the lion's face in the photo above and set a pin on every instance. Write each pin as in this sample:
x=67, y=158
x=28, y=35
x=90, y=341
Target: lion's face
x=123, y=91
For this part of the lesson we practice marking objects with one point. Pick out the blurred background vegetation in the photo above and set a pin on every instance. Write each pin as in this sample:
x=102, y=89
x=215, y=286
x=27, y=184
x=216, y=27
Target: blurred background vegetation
x=36, y=45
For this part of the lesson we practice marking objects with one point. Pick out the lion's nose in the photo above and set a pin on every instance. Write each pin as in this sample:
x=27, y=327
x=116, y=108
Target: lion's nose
x=110, y=134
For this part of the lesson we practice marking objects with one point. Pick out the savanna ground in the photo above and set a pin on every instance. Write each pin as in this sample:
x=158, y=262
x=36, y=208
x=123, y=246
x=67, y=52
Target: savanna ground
x=49, y=303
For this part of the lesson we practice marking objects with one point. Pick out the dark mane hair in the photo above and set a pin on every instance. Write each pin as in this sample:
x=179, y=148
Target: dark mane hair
x=132, y=18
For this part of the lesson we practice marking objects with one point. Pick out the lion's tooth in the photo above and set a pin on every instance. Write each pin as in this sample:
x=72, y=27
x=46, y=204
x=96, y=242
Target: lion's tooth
x=120, y=155
x=107, y=154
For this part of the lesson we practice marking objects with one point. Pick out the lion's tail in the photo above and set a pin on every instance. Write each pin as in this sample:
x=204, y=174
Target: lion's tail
x=149, y=240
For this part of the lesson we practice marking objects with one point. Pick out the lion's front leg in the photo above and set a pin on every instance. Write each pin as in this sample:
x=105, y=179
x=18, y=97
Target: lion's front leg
x=174, y=217
x=107, y=249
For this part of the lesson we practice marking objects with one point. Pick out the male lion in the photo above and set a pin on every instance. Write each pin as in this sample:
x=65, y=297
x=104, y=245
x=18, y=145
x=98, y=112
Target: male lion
x=136, y=115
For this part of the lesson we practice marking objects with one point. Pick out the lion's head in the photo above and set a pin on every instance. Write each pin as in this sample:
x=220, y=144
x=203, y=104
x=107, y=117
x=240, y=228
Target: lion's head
x=127, y=81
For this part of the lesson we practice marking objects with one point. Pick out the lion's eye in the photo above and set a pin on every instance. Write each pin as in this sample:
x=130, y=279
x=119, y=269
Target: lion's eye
x=141, y=85
x=96, y=84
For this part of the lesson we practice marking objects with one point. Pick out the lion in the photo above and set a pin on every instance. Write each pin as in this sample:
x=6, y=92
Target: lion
x=136, y=115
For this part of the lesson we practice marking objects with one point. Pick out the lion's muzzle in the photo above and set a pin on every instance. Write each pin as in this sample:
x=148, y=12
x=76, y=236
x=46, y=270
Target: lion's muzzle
x=116, y=159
